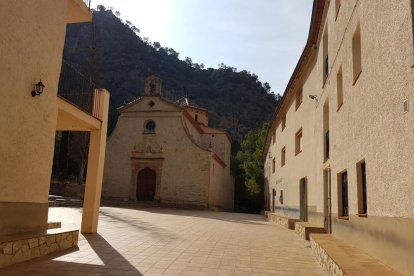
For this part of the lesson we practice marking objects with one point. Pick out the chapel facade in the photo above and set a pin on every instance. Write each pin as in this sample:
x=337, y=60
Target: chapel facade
x=164, y=151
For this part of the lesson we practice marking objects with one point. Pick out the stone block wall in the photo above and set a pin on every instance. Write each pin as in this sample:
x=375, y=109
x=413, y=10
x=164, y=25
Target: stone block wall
x=300, y=230
x=281, y=220
x=325, y=261
x=24, y=249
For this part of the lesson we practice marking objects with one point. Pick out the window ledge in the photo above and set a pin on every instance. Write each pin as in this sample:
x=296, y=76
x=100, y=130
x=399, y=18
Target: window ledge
x=343, y=218
x=362, y=215
x=357, y=77
x=297, y=153
x=339, y=107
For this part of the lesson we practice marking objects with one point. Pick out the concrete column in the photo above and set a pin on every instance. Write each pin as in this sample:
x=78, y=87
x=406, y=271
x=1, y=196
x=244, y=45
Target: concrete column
x=96, y=160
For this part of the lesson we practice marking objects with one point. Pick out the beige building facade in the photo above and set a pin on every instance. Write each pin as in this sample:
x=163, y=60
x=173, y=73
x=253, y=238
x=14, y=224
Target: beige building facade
x=340, y=148
x=164, y=151
x=31, y=48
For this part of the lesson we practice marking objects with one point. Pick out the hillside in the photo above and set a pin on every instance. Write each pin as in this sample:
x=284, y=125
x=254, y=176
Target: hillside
x=117, y=58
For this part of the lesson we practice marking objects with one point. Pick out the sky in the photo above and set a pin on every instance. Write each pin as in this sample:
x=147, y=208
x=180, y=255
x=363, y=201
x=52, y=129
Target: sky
x=265, y=37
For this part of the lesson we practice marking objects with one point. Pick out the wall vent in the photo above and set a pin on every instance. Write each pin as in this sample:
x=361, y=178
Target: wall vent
x=406, y=106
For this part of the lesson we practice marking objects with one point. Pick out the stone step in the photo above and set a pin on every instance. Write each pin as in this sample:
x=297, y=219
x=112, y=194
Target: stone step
x=303, y=229
x=21, y=247
x=281, y=220
x=339, y=258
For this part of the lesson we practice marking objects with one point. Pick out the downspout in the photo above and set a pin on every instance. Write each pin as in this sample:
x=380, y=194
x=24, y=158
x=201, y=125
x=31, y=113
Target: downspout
x=329, y=201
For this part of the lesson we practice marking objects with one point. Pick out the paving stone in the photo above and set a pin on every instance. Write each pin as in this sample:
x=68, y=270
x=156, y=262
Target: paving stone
x=173, y=242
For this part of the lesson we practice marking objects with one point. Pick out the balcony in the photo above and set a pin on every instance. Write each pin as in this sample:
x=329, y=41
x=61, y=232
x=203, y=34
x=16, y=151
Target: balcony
x=79, y=11
x=80, y=102
x=79, y=90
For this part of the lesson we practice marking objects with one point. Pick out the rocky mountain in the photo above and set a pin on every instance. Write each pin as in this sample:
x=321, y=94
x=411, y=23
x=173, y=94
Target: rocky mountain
x=112, y=52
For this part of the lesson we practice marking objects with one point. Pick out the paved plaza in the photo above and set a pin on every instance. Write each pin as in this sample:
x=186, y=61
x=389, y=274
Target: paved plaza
x=175, y=242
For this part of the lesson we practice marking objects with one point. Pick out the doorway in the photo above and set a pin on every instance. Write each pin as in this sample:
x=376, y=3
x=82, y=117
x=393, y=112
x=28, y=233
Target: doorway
x=327, y=200
x=303, y=193
x=146, y=182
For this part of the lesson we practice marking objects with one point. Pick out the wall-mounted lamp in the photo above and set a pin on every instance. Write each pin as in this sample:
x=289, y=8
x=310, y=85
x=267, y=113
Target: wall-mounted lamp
x=38, y=89
x=314, y=97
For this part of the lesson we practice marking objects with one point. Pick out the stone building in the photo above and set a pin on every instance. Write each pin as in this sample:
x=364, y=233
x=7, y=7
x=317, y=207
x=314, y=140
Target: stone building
x=340, y=149
x=165, y=151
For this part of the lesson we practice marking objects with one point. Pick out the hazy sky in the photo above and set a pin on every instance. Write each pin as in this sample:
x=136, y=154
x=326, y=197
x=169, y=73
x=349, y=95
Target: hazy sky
x=265, y=37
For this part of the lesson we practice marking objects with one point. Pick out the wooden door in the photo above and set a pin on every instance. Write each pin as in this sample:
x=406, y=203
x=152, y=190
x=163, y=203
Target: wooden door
x=146, y=185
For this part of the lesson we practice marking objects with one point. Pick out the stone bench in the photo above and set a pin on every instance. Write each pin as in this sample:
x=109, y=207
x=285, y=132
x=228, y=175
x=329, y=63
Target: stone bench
x=18, y=248
x=339, y=258
x=303, y=229
x=281, y=220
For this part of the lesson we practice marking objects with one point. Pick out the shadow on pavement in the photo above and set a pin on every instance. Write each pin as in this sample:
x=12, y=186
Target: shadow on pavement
x=60, y=263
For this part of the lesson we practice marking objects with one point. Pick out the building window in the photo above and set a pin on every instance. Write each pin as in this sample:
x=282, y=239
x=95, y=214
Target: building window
x=274, y=137
x=298, y=141
x=281, y=197
x=325, y=56
x=283, y=157
x=356, y=54
x=339, y=89
x=283, y=122
x=343, y=194
x=337, y=7
x=362, y=188
x=299, y=98
x=273, y=165
x=149, y=126
x=196, y=117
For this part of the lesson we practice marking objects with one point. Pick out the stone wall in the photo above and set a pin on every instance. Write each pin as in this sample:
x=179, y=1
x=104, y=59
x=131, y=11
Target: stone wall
x=281, y=220
x=23, y=249
x=326, y=262
x=300, y=230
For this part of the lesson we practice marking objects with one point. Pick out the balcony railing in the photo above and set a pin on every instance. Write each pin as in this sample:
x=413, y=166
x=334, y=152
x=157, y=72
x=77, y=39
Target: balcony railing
x=79, y=90
x=88, y=3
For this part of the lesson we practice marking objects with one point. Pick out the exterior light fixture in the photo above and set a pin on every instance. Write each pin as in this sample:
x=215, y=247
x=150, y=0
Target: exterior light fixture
x=38, y=89
x=315, y=98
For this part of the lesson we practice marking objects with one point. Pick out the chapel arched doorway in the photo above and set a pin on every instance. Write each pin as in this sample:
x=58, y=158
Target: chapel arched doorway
x=146, y=182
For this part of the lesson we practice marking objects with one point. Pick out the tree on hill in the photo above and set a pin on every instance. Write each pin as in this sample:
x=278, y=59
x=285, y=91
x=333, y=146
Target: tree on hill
x=250, y=181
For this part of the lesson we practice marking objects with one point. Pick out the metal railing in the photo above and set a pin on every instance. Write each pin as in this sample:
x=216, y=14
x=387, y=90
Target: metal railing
x=88, y=3
x=79, y=90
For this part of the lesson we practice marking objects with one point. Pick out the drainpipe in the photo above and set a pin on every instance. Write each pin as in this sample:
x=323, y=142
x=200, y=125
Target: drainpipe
x=329, y=201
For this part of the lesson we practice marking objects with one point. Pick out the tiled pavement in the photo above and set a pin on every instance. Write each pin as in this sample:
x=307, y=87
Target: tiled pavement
x=175, y=242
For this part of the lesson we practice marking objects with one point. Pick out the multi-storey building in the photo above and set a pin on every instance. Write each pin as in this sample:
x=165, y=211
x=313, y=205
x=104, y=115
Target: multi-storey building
x=340, y=148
